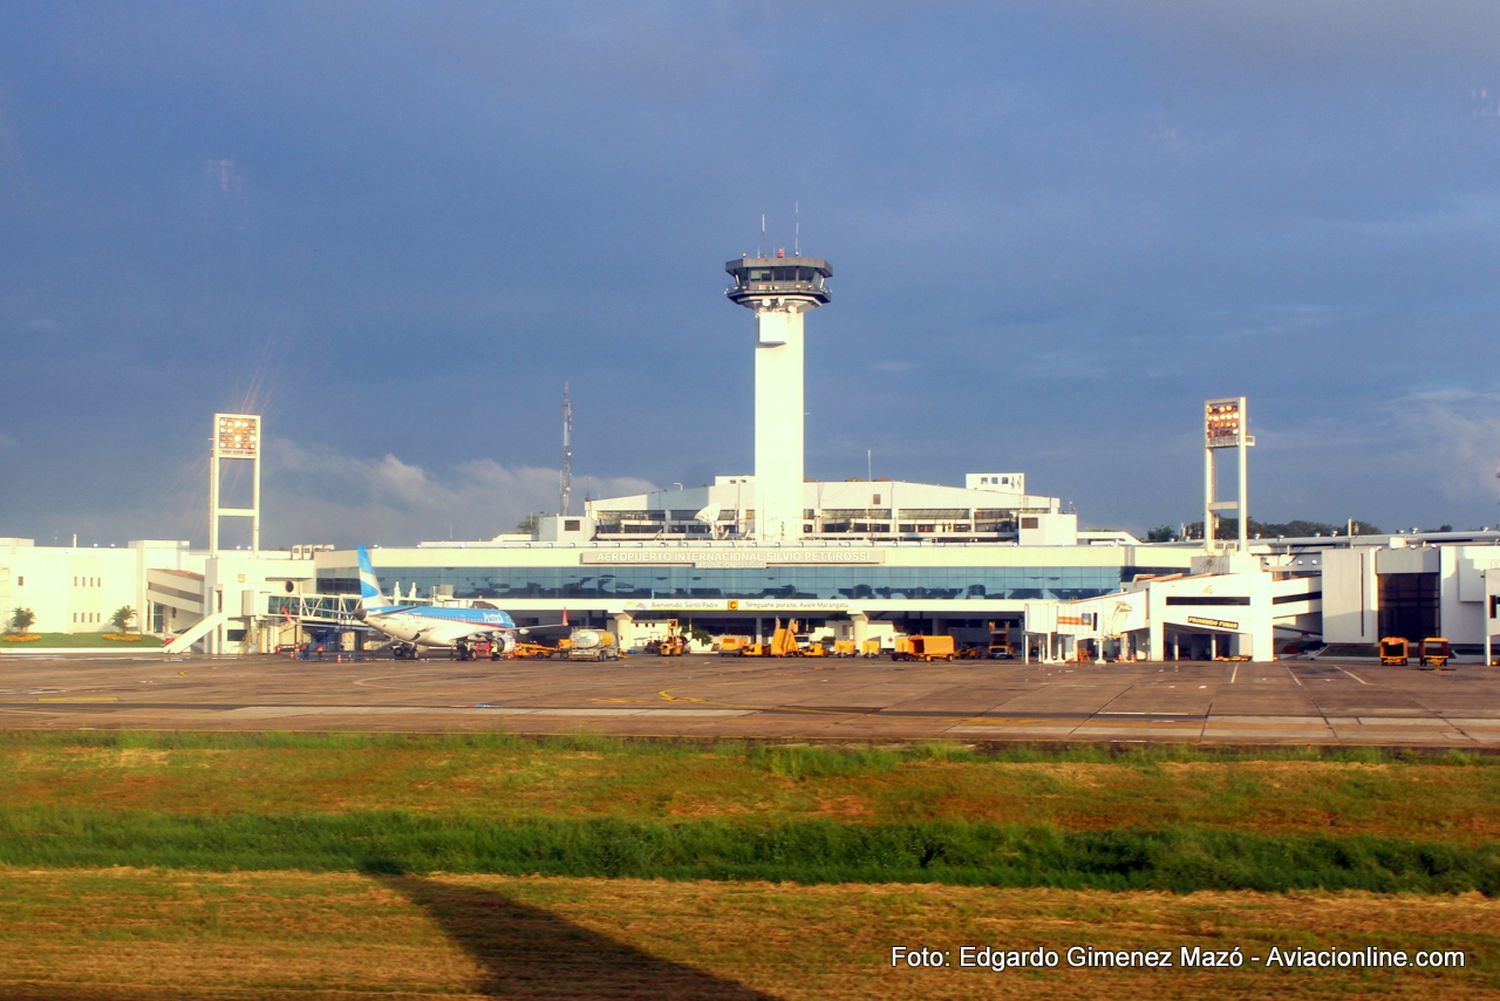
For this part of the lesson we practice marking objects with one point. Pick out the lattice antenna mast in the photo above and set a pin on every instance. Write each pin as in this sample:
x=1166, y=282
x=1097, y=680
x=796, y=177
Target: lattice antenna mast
x=565, y=507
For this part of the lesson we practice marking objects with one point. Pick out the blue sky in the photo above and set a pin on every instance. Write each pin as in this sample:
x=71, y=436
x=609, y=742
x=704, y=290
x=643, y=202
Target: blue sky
x=1056, y=228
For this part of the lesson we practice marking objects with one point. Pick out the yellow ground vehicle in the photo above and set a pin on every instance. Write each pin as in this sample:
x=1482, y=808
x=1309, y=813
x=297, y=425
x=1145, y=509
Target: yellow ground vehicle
x=729, y=646
x=1000, y=648
x=843, y=648
x=783, y=643
x=1435, y=652
x=526, y=651
x=674, y=644
x=870, y=649
x=1395, y=651
x=923, y=648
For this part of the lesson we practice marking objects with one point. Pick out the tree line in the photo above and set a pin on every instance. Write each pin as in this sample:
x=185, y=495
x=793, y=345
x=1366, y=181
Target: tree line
x=1229, y=528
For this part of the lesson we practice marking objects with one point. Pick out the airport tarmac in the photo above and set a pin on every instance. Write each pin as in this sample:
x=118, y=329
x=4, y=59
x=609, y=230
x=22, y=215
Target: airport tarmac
x=1286, y=702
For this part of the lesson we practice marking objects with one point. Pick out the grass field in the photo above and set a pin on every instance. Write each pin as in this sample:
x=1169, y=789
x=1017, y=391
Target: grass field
x=59, y=641
x=192, y=865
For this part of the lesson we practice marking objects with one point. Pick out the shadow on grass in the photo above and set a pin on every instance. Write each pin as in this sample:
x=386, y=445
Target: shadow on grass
x=527, y=952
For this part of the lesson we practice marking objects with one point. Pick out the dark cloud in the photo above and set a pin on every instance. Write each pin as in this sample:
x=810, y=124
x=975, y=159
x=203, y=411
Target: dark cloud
x=1055, y=229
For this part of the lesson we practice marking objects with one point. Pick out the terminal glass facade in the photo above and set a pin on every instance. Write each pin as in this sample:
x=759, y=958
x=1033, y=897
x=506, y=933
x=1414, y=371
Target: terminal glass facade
x=852, y=583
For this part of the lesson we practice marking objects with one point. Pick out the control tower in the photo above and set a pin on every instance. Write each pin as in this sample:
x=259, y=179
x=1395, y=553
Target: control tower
x=779, y=289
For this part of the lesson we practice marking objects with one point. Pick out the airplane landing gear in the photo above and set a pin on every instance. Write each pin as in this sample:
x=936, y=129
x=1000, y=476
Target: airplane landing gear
x=476, y=649
x=404, y=651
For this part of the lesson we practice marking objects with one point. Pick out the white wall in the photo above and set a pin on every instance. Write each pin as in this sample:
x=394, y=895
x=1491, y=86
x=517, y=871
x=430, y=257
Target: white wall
x=1049, y=530
x=1351, y=600
x=1463, y=590
x=779, y=411
x=71, y=589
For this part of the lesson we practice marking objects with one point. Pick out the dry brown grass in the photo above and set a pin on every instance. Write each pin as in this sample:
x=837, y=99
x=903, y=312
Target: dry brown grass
x=109, y=935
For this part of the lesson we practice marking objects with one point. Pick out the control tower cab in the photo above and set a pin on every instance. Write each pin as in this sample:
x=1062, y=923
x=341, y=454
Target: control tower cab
x=777, y=277
x=780, y=290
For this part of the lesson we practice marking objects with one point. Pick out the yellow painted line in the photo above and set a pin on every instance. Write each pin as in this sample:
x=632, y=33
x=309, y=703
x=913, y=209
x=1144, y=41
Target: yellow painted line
x=668, y=696
x=1017, y=720
x=633, y=701
x=79, y=698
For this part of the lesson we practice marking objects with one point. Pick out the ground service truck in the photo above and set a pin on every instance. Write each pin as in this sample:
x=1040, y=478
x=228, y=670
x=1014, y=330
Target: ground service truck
x=923, y=648
x=593, y=644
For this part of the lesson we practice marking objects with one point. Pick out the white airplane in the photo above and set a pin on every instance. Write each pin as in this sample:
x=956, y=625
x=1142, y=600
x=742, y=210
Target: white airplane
x=415, y=626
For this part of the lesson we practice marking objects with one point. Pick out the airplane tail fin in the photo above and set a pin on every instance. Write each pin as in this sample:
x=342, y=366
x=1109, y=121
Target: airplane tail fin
x=369, y=586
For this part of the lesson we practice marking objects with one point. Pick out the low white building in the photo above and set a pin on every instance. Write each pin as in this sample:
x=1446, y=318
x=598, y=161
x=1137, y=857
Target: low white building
x=1409, y=586
x=1224, y=606
x=78, y=589
x=171, y=587
x=1346, y=594
x=1107, y=599
x=991, y=507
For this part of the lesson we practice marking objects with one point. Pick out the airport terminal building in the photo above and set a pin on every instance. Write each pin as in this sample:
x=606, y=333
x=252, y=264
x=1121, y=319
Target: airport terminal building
x=856, y=559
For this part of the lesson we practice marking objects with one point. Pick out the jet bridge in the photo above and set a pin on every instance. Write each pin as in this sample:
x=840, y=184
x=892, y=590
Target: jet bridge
x=321, y=609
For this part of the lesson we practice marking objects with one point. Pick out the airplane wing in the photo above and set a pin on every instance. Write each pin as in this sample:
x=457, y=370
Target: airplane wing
x=547, y=629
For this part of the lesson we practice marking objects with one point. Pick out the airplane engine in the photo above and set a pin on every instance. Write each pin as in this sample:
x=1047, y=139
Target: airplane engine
x=505, y=643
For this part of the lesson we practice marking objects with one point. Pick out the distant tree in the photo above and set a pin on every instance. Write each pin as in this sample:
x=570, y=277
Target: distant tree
x=122, y=617
x=1162, y=533
x=529, y=523
x=1228, y=528
x=21, y=620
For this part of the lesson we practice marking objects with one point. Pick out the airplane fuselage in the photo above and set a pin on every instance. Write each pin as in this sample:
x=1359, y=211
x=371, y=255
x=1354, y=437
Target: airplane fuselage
x=413, y=626
x=435, y=626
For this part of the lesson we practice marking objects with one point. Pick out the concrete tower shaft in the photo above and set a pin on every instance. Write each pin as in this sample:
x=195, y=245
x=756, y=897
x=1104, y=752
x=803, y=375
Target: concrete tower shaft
x=780, y=290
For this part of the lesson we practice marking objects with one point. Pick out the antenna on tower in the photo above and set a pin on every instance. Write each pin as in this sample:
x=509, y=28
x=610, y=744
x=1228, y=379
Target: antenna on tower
x=760, y=248
x=567, y=463
x=797, y=229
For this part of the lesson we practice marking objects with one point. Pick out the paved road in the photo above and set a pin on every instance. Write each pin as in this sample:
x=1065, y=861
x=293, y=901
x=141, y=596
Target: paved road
x=1287, y=702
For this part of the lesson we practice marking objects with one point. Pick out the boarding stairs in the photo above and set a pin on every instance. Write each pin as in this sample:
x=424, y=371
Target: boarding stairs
x=182, y=642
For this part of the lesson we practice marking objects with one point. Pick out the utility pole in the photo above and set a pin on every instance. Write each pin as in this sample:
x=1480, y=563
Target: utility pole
x=566, y=501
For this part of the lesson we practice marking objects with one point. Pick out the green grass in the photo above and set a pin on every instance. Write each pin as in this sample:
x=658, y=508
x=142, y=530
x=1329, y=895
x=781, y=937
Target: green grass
x=858, y=758
x=804, y=852
x=50, y=641
x=586, y=805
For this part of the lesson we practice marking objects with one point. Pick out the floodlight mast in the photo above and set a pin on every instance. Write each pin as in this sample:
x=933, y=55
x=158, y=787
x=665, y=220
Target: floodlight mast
x=1225, y=425
x=236, y=436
